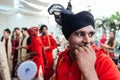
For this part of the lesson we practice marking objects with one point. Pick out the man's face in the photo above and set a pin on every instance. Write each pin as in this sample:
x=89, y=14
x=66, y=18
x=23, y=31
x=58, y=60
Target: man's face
x=23, y=32
x=44, y=31
x=6, y=35
x=82, y=37
x=17, y=31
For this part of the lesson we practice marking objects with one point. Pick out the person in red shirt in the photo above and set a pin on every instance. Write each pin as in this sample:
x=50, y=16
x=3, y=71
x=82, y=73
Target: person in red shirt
x=82, y=60
x=49, y=44
x=36, y=50
x=110, y=44
x=103, y=39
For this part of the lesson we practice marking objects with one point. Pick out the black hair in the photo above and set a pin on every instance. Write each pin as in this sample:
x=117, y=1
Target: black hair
x=42, y=26
x=16, y=28
x=8, y=31
x=25, y=29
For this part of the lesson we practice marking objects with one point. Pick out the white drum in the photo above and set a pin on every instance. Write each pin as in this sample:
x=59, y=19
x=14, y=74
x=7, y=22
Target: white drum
x=26, y=70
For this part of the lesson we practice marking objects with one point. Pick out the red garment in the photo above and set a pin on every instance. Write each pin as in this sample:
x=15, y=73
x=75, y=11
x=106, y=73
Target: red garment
x=48, y=40
x=102, y=40
x=105, y=68
x=36, y=46
x=15, y=44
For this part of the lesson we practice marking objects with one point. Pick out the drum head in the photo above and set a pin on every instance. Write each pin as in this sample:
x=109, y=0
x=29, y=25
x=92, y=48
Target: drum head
x=26, y=70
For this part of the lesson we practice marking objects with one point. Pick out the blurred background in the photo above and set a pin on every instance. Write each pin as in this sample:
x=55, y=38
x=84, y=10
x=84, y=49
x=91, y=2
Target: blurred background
x=27, y=13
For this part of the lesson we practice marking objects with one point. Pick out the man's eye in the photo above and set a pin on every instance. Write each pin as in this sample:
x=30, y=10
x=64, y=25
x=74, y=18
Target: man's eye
x=79, y=34
x=91, y=34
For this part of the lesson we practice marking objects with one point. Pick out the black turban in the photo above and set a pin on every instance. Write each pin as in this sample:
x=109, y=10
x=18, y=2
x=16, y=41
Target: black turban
x=71, y=22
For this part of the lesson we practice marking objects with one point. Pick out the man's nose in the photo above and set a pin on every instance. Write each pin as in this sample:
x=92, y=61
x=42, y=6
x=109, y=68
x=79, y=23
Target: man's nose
x=86, y=39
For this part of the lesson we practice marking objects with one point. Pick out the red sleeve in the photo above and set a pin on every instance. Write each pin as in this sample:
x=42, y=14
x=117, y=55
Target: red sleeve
x=106, y=69
x=52, y=42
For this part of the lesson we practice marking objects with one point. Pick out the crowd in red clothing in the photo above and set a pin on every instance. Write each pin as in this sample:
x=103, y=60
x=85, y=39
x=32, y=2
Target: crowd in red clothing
x=39, y=50
x=33, y=47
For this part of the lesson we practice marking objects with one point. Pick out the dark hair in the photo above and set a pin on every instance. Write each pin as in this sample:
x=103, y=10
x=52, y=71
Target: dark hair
x=25, y=29
x=8, y=31
x=16, y=28
x=111, y=40
x=41, y=28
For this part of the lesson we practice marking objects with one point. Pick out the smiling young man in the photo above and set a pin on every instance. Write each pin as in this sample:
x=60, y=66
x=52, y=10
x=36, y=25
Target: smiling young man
x=82, y=60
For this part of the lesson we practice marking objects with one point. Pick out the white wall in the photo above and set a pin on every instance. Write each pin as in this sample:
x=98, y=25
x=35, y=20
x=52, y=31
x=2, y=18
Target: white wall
x=21, y=20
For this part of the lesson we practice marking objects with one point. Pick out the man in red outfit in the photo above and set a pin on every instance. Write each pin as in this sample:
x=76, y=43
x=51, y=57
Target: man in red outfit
x=49, y=44
x=36, y=50
x=83, y=60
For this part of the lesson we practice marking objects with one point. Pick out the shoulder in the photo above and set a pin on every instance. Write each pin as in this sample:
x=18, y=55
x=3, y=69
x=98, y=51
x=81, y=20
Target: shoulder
x=102, y=57
x=63, y=55
x=50, y=36
x=105, y=66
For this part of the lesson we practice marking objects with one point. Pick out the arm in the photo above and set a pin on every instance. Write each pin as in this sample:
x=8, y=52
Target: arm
x=107, y=47
x=110, y=47
x=13, y=46
x=25, y=47
x=114, y=45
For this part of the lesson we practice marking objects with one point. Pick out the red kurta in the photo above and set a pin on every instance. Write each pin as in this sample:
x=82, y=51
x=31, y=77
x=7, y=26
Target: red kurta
x=48, y=40
x=105, y=68
x=36, y=46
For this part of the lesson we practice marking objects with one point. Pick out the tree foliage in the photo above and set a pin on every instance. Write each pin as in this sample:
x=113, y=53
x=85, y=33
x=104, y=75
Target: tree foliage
x=112, y=22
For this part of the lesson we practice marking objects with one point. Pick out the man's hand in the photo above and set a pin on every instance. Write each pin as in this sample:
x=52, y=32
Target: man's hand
x=86, y=59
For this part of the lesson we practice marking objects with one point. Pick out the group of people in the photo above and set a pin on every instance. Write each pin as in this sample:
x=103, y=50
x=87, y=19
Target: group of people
x=27, y=44
x=109, y=44
x=82, y=60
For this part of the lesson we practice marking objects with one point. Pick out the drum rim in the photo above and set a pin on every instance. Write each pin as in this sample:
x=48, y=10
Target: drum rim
x=32, y=68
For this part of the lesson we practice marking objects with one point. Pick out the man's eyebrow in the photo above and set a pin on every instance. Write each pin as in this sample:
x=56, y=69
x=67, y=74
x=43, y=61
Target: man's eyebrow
x=84, y=31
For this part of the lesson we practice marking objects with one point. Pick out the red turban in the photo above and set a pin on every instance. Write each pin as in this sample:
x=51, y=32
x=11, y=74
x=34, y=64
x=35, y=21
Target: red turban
x=33, y=31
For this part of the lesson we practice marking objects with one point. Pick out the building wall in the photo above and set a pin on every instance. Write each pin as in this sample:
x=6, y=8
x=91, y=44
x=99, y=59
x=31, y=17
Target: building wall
x=22, y=20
